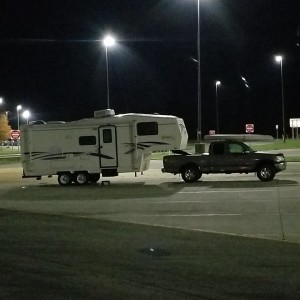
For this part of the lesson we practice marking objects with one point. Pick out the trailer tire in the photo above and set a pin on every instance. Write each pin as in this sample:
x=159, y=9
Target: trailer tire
x=81, y=178
x=65, y=178
x=94, y=177
x=191, y=173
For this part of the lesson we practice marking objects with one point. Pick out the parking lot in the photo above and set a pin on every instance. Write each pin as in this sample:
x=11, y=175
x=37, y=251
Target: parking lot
x=229, y=204
x=150, y=236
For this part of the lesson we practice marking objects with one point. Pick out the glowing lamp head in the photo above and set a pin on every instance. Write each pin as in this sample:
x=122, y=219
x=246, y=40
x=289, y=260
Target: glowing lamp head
x=109, y=41
x=26, y=114
x=218, y=83
x=278, y=58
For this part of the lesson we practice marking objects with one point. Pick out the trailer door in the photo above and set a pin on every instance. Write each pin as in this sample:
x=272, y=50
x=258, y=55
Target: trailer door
x=108, y=147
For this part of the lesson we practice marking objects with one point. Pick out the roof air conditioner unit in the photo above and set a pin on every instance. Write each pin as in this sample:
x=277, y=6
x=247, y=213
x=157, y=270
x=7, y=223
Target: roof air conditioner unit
x=104, y=113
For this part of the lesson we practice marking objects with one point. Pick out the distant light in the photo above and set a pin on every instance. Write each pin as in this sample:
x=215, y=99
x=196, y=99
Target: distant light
x=19, y=107
x=109, y=41
x=1, y=100
x=246, y=83
x=26, y=114
x=278, y=58
x=218, y=82
x=194, y=59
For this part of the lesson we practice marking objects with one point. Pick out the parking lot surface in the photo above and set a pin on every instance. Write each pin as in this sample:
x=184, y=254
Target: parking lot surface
x=228, y=204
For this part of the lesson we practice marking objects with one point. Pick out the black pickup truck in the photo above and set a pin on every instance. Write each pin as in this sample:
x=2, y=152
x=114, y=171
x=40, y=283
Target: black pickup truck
x=227, y=156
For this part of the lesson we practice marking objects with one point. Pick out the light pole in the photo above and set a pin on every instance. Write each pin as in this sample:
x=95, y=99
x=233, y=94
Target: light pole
x=217, y=105
x=108, y=41
x=279, y=60
x=199, y=128
x=26, y=115
x=19, y=107
x=1, y=101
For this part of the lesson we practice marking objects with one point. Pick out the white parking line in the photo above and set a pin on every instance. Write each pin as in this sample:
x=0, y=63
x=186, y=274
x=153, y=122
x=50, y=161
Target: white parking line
x=222, y=191
x=195, y=215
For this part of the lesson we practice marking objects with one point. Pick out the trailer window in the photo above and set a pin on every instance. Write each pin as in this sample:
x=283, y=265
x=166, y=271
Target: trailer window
x=147, y=128
x=87, y=140
x=107, y=136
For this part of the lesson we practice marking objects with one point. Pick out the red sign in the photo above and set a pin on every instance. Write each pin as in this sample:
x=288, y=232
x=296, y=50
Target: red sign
x=212, y=132
x=249, y=128
x=15, y=134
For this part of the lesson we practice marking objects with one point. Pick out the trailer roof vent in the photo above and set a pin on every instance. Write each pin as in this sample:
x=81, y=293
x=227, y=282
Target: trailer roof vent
x=104, y=113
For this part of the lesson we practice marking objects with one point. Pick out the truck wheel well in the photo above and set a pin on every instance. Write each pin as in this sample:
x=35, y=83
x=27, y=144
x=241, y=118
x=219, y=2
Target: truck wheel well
x=188, y=165
x=264, y=162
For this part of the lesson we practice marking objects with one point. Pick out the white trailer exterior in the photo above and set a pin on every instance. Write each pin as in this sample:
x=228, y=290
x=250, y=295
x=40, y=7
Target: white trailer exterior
x=108, y=144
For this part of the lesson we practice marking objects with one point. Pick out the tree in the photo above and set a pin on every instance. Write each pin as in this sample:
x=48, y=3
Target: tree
x=4, y=127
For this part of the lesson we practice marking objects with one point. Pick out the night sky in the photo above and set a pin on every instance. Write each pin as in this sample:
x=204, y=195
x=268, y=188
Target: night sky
x=53, y=63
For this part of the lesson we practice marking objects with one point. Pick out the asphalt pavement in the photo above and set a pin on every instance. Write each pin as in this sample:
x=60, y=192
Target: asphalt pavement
x=150, y=236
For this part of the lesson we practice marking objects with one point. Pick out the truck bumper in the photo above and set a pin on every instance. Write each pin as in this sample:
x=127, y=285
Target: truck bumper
x=280, y=166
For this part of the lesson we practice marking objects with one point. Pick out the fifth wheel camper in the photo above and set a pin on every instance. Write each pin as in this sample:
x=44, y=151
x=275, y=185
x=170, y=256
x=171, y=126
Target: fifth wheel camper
x=84, y=150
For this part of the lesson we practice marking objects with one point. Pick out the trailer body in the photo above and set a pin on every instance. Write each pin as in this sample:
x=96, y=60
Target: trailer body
x=106, y=145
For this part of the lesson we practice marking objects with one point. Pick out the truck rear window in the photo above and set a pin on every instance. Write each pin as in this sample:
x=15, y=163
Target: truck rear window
x=218, y=148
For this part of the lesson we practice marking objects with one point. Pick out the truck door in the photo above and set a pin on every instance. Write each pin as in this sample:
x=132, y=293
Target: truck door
x=238, y=157
x=108, y=147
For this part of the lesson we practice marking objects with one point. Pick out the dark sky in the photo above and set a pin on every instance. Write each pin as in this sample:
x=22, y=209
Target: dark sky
x=51, y=60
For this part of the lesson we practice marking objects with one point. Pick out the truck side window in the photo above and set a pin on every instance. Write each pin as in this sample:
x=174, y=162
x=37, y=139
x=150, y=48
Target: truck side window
x=219, y=148
x=235, y=148
x=147, y=128
x=107, y=136
x=87, y=140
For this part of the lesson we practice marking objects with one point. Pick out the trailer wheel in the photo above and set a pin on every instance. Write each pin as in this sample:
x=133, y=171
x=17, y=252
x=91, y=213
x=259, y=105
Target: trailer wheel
x=81, y=178
x=266, y=172
x=65, y=178
x=94, y=177
x=191, y=174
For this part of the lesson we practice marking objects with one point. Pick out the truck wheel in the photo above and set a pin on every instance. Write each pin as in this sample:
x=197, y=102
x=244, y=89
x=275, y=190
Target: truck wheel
x=191, y=174
x=266, y=172
x=65, y=178
x=94, y=177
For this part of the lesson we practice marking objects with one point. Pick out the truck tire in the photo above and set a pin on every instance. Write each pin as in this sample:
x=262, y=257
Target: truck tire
x=265, y=172
x=94, y=177
x=65, y=178
x=191, y=174
x=81, y=178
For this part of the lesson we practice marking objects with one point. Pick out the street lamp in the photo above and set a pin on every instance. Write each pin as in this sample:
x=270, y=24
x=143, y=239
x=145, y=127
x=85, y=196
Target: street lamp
x=199, y=128
x=217, y=105
x=1, y=100
x=19, y=107
x=108, y=41
x=279, y=59
x=26, y=115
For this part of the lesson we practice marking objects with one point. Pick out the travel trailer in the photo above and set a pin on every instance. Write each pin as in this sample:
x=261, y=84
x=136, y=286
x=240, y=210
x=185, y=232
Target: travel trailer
x=84, y=150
